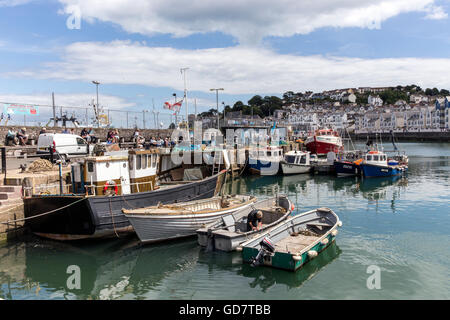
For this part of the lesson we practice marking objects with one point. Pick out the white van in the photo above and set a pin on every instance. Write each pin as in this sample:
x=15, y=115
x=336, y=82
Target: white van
x=66, y=145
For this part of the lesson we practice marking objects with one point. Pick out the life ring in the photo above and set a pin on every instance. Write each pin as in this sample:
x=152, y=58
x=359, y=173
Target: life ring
x=108, y=184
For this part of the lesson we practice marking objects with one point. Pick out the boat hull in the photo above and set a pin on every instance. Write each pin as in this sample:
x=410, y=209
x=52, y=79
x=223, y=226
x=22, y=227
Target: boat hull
x=289, y=168
x=264, y=168
x=285, y=261
x=295, y=257
x=318, y=147
x=229, y=240
x=370, y=171
x=346, y=168
x=80, y=217
x=157, y=228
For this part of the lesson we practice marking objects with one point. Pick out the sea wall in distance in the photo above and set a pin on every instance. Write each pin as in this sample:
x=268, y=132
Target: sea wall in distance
x=425, y=136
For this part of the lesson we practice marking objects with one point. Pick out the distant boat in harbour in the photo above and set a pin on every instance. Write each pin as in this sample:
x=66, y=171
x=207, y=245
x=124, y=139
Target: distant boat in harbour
x=323, y=141
x=265, y=161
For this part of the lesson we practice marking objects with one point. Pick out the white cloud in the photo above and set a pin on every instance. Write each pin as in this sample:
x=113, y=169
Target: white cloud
x=66, y=100
x=247, y=20
x=239, y=70
x=435, y=13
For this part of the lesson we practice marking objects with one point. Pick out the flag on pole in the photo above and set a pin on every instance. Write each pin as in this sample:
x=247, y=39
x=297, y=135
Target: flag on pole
x=175, y=107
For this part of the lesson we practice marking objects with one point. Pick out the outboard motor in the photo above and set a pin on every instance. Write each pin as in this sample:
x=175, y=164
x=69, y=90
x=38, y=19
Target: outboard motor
x=267, y=248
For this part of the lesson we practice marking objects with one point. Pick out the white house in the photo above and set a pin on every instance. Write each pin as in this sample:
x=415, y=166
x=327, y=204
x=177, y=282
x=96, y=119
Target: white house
x=375, y=101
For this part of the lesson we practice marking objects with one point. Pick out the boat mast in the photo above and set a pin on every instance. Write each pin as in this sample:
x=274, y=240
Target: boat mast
x=183, y=71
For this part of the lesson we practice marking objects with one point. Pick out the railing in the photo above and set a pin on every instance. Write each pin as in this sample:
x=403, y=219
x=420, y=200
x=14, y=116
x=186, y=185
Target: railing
x=66, y=188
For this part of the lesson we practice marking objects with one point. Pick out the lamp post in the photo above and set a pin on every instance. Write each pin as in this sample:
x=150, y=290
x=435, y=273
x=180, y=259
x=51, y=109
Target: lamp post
x=217, y=102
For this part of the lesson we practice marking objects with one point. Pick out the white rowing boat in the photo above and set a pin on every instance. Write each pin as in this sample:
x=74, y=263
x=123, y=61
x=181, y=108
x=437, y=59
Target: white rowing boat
x=165, y=222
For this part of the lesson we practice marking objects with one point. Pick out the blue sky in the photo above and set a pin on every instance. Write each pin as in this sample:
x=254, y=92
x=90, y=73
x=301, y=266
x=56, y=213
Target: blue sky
x=135, y=49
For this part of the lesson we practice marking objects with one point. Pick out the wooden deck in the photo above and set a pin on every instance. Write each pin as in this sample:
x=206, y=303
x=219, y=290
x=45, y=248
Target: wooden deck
x=294, y=244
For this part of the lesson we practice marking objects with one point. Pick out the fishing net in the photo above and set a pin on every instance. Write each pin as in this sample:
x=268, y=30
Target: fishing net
x=40, y=165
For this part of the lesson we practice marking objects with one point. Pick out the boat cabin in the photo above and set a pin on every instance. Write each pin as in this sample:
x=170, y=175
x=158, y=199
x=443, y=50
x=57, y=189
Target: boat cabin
x=297, y=157
x=116, y=174
x=327, y=132
x=376, y=158
x=271, y=152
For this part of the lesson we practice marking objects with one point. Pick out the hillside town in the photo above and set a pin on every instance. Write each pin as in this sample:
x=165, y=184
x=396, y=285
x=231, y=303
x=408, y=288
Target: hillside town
x=359, y=110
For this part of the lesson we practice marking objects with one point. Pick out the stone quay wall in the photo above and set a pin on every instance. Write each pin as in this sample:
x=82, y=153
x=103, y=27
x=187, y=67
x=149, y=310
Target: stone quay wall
x=100, y=133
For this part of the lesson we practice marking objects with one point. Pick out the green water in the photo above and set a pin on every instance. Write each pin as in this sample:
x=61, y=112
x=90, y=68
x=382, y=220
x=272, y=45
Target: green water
x=400, y=225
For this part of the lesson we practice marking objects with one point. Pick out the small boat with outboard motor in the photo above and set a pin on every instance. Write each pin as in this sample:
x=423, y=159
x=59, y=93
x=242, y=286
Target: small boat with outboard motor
x=227, y=233
x=294, y=242
x=171, y=221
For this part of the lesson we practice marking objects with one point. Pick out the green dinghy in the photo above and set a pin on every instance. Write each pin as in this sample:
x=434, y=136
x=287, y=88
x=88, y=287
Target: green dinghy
x=294, y=242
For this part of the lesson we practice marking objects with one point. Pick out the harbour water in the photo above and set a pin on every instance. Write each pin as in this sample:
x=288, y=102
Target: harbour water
x=399, y=225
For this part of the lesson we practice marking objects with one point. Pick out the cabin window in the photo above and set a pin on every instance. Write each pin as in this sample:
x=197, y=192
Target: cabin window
x=290, y=159
x=144, y=161
x=369, y=158
x=375, y=158
x=303, y=159
x=138, y=162
x=130, y=162
x=90, y=167
x=154, y=161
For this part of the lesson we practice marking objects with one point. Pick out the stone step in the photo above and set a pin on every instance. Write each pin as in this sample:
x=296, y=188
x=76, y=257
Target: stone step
x=10, y=202
x=11, y=189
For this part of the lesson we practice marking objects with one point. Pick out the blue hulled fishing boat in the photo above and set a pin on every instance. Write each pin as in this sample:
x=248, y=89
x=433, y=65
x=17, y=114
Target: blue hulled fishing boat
x=377, y=164
x=265, y=161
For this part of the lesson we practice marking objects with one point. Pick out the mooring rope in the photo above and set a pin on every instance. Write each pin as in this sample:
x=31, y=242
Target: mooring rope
x=43, y=214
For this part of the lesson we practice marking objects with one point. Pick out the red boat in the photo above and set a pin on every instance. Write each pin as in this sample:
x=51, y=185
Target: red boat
x=323, y=141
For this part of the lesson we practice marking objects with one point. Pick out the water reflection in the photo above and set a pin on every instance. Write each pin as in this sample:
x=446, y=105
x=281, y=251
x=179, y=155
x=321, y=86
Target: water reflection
x=265, y=277
x=109, y=269
x=308, y=189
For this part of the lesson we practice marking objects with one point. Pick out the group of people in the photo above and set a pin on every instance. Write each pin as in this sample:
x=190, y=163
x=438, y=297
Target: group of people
x=14, y=137
x=160, y=142
x=113, y=136
x=20, y=137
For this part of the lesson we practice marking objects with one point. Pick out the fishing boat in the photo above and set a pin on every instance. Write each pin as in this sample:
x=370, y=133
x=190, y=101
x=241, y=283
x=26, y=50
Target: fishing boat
x=345, y=168
x=227, y=233
x=323, y=141
x=102, y=186
x=296, y=162
x=294, y=242
x=166, y=222
x=265, y=161
x=377, y=164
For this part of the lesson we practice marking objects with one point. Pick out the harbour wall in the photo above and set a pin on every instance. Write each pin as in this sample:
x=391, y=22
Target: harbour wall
x=101, y=133
x=411, y=136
